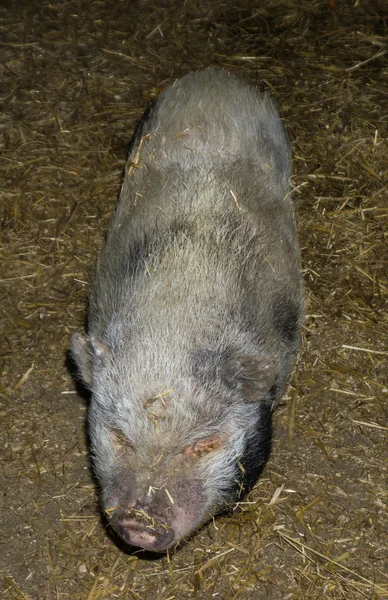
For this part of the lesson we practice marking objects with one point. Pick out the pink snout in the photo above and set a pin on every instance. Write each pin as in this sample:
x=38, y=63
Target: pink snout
x=154, y=537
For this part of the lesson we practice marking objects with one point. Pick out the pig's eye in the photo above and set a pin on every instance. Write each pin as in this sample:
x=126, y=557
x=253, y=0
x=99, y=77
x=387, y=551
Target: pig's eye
x=202, y=447
x=119, y=442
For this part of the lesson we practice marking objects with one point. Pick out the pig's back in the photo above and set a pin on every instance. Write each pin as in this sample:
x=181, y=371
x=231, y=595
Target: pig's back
x=211, y=119
x=209, y=145
x=202, y=248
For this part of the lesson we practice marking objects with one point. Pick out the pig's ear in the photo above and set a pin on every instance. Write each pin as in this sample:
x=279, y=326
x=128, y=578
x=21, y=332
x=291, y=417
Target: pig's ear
x=86, y=351
x=252, y=377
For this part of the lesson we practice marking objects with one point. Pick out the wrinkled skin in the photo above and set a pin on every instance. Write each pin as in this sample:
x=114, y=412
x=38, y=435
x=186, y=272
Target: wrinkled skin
x=195, y=311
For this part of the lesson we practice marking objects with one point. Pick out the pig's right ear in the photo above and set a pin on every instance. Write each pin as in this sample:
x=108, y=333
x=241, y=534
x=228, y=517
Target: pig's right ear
x=86, y=351
x=252, y=377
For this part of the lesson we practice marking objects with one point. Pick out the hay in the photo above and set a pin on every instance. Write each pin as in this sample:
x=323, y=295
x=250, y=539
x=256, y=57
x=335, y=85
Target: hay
x=75, y=79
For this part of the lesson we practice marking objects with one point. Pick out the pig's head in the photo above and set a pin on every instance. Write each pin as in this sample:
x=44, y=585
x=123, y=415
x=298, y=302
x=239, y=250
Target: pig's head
x=171, y=447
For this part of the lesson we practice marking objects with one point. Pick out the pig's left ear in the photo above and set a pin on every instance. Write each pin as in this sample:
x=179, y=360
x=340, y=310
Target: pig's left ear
x=252, y=377
x=86, y=351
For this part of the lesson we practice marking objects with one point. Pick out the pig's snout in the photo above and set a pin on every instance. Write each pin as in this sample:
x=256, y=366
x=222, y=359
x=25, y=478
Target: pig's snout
x=154, y=537
x=158, y=520
x=140, y=526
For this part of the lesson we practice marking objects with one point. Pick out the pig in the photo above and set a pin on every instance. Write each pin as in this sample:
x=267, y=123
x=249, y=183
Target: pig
x=195, y=311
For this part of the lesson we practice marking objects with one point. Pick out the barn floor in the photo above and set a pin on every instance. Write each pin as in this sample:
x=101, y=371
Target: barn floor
x=75, y=78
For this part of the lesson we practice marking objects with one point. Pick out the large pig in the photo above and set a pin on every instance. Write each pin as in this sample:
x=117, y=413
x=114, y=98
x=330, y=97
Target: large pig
x=195, y=310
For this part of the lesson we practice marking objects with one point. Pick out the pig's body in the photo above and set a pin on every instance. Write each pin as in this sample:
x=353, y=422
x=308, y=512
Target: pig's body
x=195, y=310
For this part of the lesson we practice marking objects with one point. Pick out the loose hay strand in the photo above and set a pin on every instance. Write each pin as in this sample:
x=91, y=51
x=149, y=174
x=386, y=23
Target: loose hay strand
x=300, y=547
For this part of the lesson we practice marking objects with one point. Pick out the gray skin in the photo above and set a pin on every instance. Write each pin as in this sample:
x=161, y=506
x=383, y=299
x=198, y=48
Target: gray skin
x=195, y=310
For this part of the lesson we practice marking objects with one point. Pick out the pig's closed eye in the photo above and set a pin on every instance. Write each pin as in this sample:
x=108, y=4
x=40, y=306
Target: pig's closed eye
x=119, y=442
x=203, y=447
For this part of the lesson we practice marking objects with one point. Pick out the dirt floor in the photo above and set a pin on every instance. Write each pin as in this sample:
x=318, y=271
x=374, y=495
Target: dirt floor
x=75, y=78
